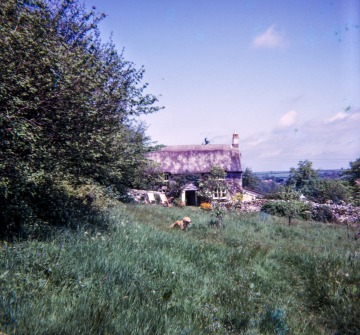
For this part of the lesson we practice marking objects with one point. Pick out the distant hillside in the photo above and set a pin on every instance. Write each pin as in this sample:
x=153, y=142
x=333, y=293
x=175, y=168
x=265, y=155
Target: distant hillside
x=281, y=176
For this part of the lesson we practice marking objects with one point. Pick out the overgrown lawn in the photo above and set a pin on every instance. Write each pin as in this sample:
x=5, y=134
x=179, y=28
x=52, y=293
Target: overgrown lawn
x=255, y=276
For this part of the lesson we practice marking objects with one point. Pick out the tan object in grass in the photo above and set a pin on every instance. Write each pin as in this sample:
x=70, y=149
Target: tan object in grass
x=182, y=224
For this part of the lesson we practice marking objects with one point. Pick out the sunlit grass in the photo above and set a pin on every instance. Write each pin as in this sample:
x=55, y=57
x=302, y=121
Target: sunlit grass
x=255, y=276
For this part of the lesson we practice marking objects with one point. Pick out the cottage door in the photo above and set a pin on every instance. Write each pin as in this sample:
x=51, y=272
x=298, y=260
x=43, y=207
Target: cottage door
x=190, y=198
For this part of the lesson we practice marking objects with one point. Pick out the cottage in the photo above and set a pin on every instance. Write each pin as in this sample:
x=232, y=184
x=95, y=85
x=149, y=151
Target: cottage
x=198, y=160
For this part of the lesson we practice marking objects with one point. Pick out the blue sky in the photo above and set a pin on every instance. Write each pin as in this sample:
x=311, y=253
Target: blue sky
x=284, y=74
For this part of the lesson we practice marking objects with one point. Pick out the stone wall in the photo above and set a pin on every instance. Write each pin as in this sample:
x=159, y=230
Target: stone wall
x=339, y=213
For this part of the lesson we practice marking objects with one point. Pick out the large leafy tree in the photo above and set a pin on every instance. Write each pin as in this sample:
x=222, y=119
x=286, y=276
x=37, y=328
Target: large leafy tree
x=250, y=180
x=335, y=190
x=68, y=109
x=303, y=177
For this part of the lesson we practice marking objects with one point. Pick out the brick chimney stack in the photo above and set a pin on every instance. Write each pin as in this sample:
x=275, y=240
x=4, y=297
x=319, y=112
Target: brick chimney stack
x=235, y=140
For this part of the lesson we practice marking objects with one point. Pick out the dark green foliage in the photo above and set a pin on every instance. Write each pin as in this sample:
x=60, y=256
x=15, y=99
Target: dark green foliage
x=68, y=108
x=334, y=190
x=250, y=180
x=269, y=188
x=274, y=208
x=353, y=173
x=281, y=208
x=147, y=176
x=302, y=178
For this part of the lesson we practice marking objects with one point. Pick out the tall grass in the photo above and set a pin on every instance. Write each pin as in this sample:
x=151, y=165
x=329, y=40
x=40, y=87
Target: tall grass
x=255, y=276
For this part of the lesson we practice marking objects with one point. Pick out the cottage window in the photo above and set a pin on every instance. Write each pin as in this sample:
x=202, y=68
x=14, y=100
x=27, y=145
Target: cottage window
x=220, y=193
x=166, y=177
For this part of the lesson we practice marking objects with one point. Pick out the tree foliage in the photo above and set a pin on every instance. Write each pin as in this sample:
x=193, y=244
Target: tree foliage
x=250, y=180
x=268, y=187
x=307, y=181
x=335, y=190
x=353, y=173
x=292, y=203
x=69, y=105
x=289, y=205
x=302, y=178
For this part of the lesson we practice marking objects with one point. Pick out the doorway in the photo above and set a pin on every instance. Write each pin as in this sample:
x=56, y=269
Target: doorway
x=190, y=198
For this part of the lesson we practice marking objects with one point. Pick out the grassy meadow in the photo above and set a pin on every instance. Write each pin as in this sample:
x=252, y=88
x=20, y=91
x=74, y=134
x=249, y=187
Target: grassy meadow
x=256, y=275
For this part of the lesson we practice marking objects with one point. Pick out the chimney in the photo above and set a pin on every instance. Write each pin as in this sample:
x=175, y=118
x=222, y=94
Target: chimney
x=235, y=140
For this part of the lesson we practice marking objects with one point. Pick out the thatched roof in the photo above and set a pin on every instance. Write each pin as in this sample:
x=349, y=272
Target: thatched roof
x=192, y=159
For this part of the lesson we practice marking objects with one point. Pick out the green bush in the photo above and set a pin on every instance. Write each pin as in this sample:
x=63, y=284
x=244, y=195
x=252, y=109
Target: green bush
x=280, y=208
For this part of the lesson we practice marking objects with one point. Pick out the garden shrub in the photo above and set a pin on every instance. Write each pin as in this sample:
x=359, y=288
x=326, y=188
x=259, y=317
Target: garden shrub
x=280, y=208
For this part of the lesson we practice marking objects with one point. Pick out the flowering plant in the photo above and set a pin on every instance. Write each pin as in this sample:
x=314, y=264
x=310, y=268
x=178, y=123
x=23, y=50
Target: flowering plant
x=205, y=206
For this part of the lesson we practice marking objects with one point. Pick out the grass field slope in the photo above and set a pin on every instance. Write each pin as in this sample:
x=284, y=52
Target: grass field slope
x=256, y=275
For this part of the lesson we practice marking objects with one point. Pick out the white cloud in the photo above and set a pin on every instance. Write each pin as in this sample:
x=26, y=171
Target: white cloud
x=336, y=117
x=271, y=38
x=343, y=117
x=288, y=119
x=328, y=143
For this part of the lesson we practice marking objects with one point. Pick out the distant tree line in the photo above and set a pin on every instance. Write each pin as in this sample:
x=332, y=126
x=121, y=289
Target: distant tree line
x=305, y=180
